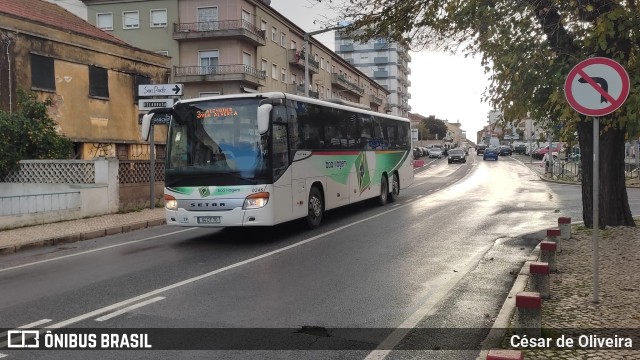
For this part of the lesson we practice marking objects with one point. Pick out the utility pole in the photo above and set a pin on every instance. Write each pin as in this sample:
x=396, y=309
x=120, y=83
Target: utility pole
x=307, y=53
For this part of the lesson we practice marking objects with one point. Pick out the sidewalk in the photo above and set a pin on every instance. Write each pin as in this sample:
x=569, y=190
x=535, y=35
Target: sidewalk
x=77, y=230
x=570, y=310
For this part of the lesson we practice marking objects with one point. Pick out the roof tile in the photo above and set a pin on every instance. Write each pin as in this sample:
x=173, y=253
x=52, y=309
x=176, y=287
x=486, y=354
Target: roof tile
x=55, y=16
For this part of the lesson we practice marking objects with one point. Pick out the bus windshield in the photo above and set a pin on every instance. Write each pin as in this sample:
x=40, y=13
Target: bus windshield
x=216, y=142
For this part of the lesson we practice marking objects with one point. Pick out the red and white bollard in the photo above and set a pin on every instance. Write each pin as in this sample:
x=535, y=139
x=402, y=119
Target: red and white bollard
x=539, y=276
x=529, y=314
x=564, y=223
x=500, y=354
x=554, y=235
x=548, y=254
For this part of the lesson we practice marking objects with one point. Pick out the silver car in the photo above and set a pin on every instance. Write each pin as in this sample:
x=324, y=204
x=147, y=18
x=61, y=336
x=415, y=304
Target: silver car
x=435, y=152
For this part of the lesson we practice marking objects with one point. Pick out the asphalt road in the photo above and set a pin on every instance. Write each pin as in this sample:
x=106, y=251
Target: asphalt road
x=442, y=257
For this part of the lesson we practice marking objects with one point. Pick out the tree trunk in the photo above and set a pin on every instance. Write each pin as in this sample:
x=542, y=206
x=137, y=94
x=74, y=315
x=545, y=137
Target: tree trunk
x=613, y=209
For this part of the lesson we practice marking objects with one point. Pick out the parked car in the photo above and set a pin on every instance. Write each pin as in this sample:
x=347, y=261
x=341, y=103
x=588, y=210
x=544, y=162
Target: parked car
x=505, y=150
x=520, y=149
x=480, y=149
x=556, y=148
x=435, y=152
x=490, y=153
x=456, y=155
x=425, y=151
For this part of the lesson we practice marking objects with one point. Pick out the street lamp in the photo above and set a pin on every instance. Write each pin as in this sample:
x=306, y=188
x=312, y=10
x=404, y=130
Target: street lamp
x=308, y=53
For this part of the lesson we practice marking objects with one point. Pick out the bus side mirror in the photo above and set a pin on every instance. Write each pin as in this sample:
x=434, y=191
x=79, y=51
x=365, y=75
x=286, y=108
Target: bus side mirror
x=146, y=120
x=264, y=112
x=146, y=126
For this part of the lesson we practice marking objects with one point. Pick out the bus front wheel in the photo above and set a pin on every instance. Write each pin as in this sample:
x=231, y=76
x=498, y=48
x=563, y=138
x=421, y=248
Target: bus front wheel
x=316, y=208
x=395, y=188
x=384, y=191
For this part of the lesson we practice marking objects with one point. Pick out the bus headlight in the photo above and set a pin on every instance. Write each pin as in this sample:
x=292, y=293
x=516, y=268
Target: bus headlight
x=170, y=202
x=255, y=201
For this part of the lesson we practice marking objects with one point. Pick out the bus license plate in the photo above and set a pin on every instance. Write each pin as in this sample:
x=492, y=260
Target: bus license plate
x=208, y=219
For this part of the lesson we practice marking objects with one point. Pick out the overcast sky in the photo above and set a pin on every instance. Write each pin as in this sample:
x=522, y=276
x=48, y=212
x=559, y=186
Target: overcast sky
x=449, y=87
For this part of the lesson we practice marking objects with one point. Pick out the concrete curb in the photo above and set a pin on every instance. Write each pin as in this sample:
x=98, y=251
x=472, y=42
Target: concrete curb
x=84, y=235
x=500, y=325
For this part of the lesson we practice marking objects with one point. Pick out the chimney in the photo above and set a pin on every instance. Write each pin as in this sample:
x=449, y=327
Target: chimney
x=267, y=2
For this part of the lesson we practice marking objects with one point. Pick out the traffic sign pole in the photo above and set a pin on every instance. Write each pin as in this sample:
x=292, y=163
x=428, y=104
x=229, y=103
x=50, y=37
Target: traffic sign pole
x=596, y=211
x=152, y=169
x=596, y=87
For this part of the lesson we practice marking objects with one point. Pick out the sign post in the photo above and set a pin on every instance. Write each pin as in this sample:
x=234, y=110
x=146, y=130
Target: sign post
x=151, y=90
x=596, y=87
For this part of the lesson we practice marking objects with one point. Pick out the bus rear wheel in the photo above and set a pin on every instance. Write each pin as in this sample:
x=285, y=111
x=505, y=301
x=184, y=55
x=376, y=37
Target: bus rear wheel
x=395, y=188
x=384, y=190
x=316, y=208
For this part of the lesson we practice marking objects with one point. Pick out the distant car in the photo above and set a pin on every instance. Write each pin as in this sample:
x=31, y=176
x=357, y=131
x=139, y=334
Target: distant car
x=520, y=149
x=480, y=149
x=456, y=155
x=435, y=152
x=505, y=150
x=425, y=151
x=490, y=153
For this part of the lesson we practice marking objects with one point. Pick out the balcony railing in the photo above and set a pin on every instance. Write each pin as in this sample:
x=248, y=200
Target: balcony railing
x=237, y=72
x=297, y=58
x=375, y=100
x=342, y=82
x=220, y=29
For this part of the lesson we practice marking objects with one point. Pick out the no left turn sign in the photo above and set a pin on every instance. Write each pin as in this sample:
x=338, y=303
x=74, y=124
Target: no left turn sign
x=597, y=86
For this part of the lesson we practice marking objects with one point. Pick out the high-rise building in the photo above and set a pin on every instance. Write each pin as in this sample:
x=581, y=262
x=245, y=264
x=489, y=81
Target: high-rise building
x=385, y=62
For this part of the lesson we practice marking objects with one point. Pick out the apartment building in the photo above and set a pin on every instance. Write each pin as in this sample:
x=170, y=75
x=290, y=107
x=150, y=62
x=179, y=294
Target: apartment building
x=90, y=75
x=235, y=46
x=386, y=63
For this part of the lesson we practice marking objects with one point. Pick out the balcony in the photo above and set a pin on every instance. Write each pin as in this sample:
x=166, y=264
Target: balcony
x=380, y=74
x=296, y=58
x=380, y=60
x=345, y=48
x=374, y=100
x=229, y=29
x=220, y=73
x=298, y=89
x=380, y=46
x=341, y=82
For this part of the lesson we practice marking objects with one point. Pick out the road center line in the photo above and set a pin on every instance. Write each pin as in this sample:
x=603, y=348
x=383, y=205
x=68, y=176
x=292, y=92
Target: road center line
x=28, y=326
x=94, y=250
x=129, y=308
x=161, y=290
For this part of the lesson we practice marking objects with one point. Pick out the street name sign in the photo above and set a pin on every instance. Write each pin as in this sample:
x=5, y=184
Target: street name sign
x=160, y=90
x=597, y=86
x=148, y=104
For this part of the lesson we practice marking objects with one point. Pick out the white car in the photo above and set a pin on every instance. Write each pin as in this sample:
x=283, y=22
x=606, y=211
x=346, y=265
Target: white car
x=435, y=152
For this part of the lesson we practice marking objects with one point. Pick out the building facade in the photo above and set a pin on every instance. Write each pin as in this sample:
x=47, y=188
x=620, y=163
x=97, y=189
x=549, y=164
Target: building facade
x=221, y=47
x=386, y=63
x=90, y=75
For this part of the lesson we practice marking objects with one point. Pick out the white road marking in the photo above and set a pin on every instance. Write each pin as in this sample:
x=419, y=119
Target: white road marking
x=94, y=250
x=3, y=355
x=211, y=273
x=129, y=308
x=520, y=205
x=27, y=326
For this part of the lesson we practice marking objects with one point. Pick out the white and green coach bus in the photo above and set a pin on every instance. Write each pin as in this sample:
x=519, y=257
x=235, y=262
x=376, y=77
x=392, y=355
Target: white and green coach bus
x=263, y=159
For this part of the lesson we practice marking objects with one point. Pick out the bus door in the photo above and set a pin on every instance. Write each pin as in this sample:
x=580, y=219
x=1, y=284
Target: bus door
x=283, y=198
